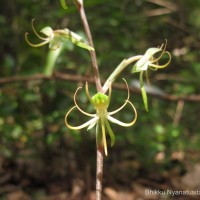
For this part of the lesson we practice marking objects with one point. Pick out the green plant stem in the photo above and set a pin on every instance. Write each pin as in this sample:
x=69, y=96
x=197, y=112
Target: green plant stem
x=51, y=60
x=118, y=70
x=92, y=52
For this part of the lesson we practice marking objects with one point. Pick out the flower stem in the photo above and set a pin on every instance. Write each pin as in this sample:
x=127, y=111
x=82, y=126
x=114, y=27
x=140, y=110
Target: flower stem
x=99, y=172
x=92, y=52
x=99, y=159
x=118, y=70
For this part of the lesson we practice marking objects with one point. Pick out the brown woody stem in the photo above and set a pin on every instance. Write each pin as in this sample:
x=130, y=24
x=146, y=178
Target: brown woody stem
x=92, y=52
x=99, y=166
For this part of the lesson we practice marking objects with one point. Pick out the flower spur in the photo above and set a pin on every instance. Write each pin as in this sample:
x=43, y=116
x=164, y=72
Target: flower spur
x=101, y=119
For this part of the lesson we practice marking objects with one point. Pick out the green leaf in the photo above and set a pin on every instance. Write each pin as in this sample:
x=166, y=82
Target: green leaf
x=63, y=4
x=144, y=94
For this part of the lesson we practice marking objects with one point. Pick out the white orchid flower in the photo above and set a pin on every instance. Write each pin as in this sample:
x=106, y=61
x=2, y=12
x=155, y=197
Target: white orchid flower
x=56, y=37
x=101, y=119
x=150, y=61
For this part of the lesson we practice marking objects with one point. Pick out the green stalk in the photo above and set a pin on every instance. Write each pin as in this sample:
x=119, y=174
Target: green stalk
x=118, y=70
x=51, y=60
x=144, y=94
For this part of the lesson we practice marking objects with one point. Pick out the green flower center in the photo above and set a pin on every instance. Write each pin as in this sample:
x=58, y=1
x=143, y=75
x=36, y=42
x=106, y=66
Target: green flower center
x=100, y=102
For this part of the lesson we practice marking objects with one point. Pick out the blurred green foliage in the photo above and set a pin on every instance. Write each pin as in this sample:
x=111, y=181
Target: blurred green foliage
x=32, y=112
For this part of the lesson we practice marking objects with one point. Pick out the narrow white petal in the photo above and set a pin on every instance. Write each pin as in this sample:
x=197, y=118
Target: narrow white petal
x=91, y=125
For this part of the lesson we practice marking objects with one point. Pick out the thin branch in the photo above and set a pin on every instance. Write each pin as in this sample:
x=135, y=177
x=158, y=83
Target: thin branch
x=167, y=8
x=99, y=166
x=178, y=113
x=99, y=172
x=166, y=4
x=92, y=52
x=90, y=79
x=157, y=12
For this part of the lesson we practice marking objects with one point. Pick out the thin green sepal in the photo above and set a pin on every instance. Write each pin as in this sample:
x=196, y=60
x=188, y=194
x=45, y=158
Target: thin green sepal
x=143, y=91
x=112, y=136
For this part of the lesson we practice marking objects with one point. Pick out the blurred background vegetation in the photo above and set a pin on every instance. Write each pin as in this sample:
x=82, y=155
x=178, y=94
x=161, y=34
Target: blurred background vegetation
x=36, y=149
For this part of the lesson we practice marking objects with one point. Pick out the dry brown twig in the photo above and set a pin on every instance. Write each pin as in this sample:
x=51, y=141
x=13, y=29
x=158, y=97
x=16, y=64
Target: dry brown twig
x=77, y=78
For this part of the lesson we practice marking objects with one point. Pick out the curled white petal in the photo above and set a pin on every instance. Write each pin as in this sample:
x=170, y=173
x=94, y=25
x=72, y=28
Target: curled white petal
x=88, y=114
x=36, y=33
x=116, y=121
x=126, y=101
x=80, y=126
x=161, y=66
x=35, y=45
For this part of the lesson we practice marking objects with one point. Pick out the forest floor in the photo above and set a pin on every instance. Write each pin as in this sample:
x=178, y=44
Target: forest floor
x=58, y=179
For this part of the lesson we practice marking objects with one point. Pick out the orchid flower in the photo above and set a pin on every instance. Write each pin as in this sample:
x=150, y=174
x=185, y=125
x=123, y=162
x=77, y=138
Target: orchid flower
x=56, y=37
x=149, y=61
x=101, y=119
x=48, y=31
